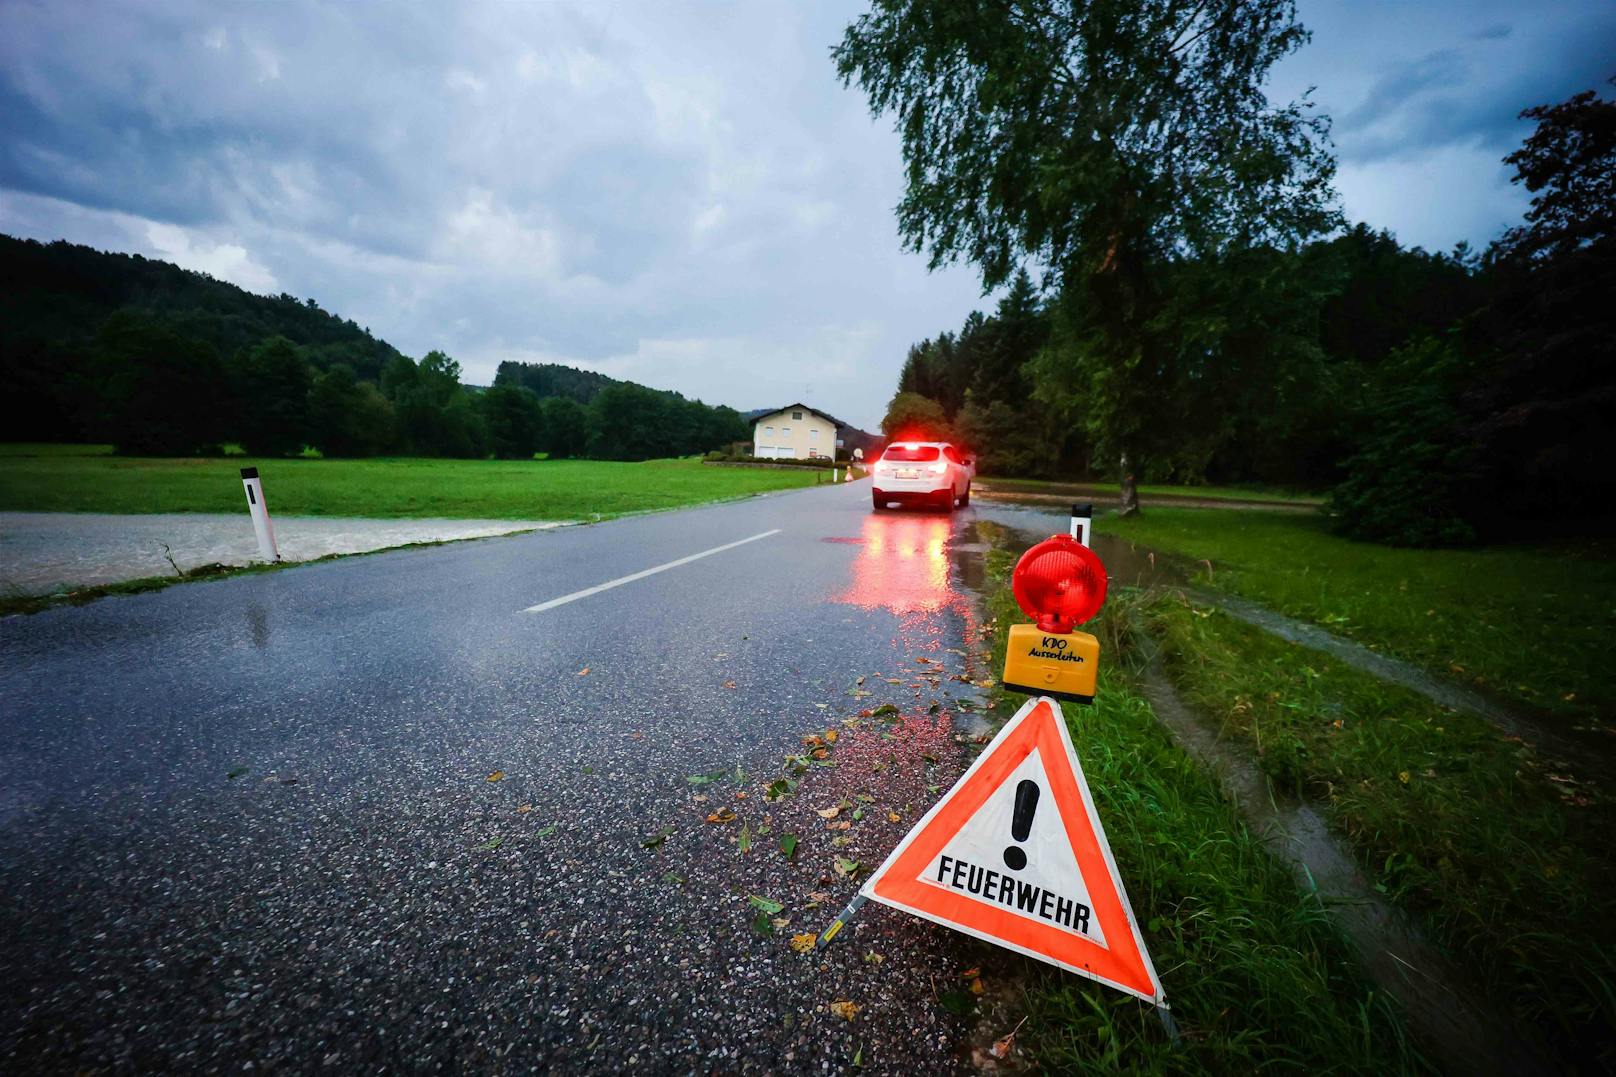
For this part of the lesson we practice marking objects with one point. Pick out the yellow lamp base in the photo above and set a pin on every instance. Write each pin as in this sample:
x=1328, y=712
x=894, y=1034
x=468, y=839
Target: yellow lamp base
x=1043, y=663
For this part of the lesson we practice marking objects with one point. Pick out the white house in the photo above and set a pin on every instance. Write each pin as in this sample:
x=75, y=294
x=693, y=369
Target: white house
x=795, y=432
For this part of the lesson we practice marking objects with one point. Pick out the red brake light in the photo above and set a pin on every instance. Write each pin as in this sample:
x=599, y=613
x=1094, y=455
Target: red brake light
x=1060, y=583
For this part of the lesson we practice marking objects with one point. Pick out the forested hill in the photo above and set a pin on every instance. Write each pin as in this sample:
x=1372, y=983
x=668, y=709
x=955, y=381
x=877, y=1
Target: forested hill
x=552, y=379
x=158, y=360
x=54, y=297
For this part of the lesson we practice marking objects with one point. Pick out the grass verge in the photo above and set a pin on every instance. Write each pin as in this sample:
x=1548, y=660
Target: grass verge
x=72, y=478
x=1529, y=622
x=1256, y=974
x=1206, y=493
x=1506, y=861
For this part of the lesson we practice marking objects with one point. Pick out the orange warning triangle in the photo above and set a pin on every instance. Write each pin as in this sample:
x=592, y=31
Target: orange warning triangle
x=1015, y=854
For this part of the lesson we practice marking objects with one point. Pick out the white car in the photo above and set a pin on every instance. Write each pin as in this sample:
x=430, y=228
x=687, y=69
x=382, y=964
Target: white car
x=923, y=472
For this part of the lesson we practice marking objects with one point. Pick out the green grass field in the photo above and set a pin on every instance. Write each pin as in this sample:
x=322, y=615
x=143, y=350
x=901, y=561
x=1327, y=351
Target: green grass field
x=77, y=478
x=1533, y=622
x=1450, y=819
x=1209, y=493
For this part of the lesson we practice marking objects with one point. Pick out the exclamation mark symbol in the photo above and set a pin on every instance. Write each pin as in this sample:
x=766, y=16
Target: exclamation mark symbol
x=1015, y=857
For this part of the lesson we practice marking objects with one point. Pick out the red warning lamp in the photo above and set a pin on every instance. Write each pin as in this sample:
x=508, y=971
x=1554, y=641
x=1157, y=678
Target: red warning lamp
x=1060, y=583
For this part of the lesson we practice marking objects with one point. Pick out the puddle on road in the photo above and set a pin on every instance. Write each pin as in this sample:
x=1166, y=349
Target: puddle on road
x=1442, y=1007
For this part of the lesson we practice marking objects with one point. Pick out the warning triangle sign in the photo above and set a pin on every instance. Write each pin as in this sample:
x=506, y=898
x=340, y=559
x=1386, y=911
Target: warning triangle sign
x=1015, y=854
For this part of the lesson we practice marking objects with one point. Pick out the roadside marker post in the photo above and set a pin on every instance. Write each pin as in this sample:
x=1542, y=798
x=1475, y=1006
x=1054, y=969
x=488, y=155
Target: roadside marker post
x=1082, y=522
x=260, y=514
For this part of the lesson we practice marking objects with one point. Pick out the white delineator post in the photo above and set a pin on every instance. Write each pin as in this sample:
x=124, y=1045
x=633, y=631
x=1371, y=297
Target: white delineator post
x=260, y=514
x=1082, y=521
x=834, y=475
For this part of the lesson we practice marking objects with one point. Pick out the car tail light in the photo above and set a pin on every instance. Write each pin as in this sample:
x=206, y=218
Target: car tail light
x=1060, y=583
x=938, y=468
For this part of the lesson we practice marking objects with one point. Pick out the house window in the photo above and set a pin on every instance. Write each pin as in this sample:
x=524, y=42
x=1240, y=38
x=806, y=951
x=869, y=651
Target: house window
x=797, y=415
x=813, y=433
x=768, y=431
x=785, y=431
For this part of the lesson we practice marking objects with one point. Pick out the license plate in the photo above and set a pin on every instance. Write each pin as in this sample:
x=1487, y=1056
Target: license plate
x=908, y=473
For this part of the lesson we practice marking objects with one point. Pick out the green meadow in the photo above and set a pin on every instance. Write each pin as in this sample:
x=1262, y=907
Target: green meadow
x=80, y=478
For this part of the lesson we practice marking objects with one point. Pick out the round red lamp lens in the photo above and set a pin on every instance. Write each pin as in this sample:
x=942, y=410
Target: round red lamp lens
x=1060, y=583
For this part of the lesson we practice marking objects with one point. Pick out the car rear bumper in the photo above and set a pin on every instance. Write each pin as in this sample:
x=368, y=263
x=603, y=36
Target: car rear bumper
x=912, y=492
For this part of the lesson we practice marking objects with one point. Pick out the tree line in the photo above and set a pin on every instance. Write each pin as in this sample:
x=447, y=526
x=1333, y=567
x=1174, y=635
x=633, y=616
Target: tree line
x=161, y=361
x=1201, y=312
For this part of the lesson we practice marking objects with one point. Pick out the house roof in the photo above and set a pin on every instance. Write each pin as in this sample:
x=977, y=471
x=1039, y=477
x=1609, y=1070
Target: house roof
x=803, y=407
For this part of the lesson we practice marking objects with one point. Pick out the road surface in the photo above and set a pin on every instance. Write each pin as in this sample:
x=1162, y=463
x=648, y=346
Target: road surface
x=249, y=823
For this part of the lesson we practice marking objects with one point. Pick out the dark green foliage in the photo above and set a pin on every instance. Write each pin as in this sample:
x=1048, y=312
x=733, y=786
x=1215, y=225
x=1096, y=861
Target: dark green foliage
x=1569, y=165
x=348, y=417
x=565, y=427
x=551, y=379
x=61, y=293
x=1411, y=479
x=435, y=414
x=631, y=422
x=271, y=384
x=515, y=421
x=1113, y=144
x=912, y=417
x=159, y=393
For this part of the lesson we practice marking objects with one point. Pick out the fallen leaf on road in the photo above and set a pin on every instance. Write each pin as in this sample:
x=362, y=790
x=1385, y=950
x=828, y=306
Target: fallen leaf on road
x=803, y=943
x=777, y=789
x=831, y=735
x=236, y=773
x=813, y=740
x=496, y=776
x=729, y=684
x=829, y=813
x=582, y=672
x=744, y=842
x=844, y=1009
x=781, y=922
x=547, y=831
x=524, y=809
x=976, y=986
x=1002, y=1046
x=846, y=868
x=893, y=817
x=970, y=974
x=765, y=905
x=676, y=880
x=859, y=681
x=722, y=815
x=873, y=958
x=788, y=845
x=492, y=843
x=819, y=897
x=655, y=840
x=843, y=825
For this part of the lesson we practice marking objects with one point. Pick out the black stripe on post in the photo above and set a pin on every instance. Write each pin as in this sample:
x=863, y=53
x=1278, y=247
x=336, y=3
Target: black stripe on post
x=249, y=473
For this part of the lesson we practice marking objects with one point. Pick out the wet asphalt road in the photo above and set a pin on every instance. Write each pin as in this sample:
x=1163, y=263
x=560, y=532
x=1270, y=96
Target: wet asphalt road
x=248, y=823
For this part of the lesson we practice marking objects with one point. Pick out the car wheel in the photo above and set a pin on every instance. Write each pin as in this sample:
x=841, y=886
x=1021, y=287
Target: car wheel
x=877, y=503
x=965, y=498
x=948, y=501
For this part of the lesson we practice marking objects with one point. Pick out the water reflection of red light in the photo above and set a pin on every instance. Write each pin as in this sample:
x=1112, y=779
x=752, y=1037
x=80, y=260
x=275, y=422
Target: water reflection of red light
x=902, y=566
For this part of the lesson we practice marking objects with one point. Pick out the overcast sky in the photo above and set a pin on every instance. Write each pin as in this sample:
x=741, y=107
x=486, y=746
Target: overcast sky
x=679, y=193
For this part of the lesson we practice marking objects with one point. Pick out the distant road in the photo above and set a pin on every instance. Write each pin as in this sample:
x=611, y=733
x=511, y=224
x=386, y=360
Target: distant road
x=250, y=820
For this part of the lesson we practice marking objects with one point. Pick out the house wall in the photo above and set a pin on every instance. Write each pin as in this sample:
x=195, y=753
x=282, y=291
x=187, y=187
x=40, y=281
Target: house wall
x=780, y=436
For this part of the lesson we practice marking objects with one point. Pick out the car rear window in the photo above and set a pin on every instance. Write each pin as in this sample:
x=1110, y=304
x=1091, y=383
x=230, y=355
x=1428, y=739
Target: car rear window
x=918, y=454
